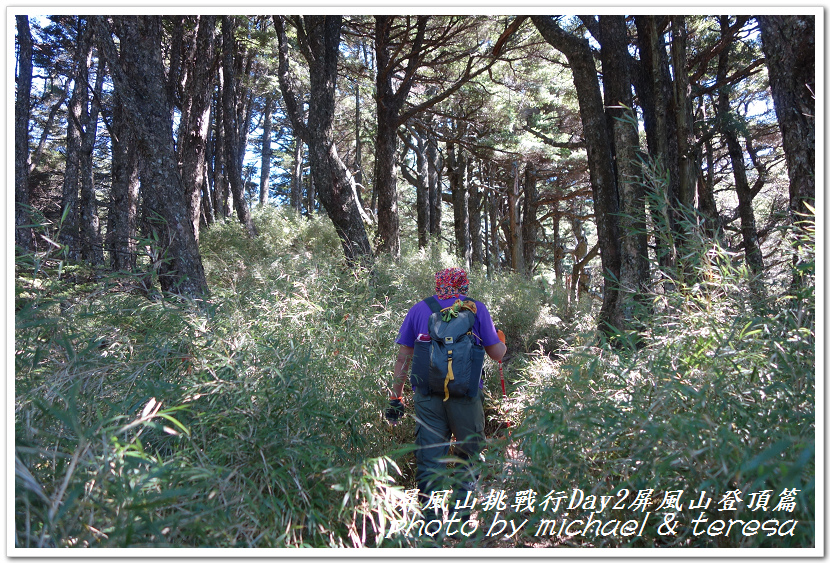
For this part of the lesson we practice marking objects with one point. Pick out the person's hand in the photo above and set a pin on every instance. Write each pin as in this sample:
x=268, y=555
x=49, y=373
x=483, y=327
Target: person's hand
x=501, y=336
x=395, y=410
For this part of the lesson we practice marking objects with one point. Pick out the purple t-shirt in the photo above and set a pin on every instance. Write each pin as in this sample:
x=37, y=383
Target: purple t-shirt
x=417, y=322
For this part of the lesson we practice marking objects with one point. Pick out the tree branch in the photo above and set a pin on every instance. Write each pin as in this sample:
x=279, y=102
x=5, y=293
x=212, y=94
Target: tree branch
x=548, y=141
x=290, y=94
x=588, y=257
x=511, y=29
x=414, y=61
x=466, y=77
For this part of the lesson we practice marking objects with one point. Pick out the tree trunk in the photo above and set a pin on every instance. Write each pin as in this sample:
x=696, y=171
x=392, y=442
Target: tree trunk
x=265, y=168
x=687, y=159
x=194, y=125
x=245, y=110
x=707, y=206
x=22, y=233
x=485, y=212
x=70, y=233
x=220, y=182
x=530, y=223
x=332, y=182
x=138, y=76
x=387, y=239
x=297, y=176
x=789, y=46
x=210, y=169
x=495, y=221
x=207, y=217
x=46, y=131
x=121, y=219
x=358, y=141
x=311, y=196
x=389, y=104
x=752, y=250
x=419, y=180
x=422, y=195
x=558, y=244
x=232, y=126
x=457, y=170
x=320, y=42
x=434, y=166
x=634, y=266
x=475, y=216
x=92, y=249
x=579, y=283
x=654, y=95
x=728, y=127
x=598, y=145
x=515, y=218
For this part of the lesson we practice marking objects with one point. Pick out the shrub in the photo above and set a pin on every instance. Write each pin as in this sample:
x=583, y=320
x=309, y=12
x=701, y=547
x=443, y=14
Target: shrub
x=718, y=396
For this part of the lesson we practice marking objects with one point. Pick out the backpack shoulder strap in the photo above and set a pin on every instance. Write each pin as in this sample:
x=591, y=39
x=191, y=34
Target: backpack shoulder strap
x=433, y=303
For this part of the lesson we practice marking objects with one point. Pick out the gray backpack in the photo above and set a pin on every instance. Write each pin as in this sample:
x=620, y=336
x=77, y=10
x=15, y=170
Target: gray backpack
x=452, y=360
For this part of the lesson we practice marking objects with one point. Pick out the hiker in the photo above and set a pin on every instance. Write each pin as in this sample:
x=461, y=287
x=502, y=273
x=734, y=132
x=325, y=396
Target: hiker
x=438, y=415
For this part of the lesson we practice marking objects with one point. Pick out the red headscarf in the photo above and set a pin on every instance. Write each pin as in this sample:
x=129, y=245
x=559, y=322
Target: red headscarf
x=451, y=282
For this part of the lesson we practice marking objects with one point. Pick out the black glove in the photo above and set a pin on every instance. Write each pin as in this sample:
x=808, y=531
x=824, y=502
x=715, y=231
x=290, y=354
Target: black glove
x=395, y=411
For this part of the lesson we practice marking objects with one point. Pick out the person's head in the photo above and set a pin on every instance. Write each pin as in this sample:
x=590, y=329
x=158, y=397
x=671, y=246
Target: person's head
x=451, y=282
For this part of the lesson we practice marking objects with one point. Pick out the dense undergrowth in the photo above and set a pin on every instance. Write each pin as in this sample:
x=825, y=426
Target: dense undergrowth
x=713, y=406
x=255, y=420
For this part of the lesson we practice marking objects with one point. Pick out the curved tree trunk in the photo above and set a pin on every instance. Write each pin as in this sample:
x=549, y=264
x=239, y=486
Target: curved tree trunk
x=600, y=165
x=320, y=42
x=728, y=129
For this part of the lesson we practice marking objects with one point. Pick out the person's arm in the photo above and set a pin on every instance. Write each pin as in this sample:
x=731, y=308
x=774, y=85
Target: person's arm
x=402, y=363
x=496, y=351
x=488, y=333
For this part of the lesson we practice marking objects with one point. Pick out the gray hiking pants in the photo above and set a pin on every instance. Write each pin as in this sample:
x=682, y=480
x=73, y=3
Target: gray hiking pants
x=436, y=422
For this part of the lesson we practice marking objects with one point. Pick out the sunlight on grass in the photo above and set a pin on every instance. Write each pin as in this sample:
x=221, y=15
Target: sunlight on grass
x=256, y=421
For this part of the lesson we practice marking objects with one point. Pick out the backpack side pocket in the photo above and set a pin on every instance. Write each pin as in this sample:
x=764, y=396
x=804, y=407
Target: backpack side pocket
x=477, y=360
x=420, y=366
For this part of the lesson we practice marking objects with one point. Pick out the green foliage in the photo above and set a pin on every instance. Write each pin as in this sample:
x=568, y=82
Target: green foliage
x=256, y=421
x=718, y=395
x=264, y=426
